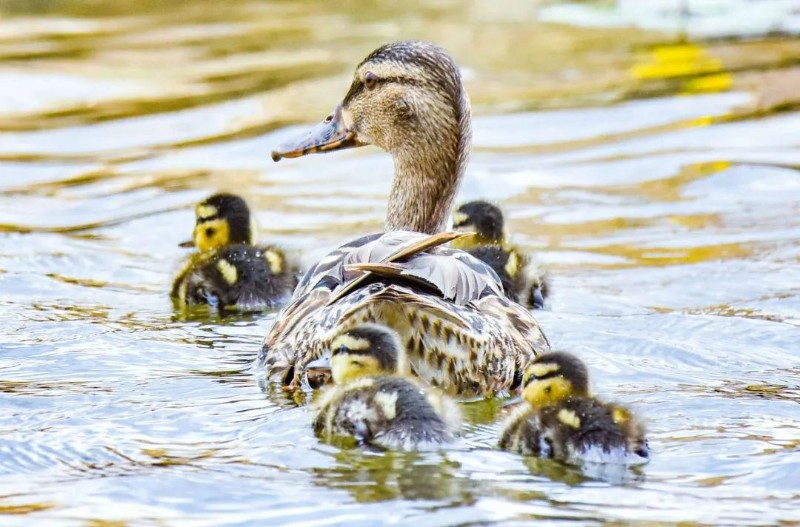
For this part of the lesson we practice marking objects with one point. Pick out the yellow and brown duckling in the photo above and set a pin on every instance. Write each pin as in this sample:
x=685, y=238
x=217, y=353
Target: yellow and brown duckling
x=562, y=421
x=524, y=279
x=372, y=403
x=229, y=272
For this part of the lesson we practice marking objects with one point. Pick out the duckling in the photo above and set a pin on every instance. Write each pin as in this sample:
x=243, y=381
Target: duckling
x=564, y=422
x=373, y=403
x=230, y=272
x=523, y=278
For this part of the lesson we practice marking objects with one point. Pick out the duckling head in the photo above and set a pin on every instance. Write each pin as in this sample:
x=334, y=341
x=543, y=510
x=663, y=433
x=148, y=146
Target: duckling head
x=481, y=217
x=406, y=98
x=552, y=377
x=362, y=351
x=222, y=219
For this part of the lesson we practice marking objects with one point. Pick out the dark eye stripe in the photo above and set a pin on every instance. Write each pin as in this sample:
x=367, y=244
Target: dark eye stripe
x=207, y=218
x=357, y=87
x=548, y=375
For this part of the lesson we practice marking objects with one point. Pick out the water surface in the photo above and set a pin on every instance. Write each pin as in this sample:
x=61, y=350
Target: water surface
x=656, y=170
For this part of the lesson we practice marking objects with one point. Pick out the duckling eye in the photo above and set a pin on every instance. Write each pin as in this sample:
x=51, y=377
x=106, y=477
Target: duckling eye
x=370, y=80
x=340, y=349
x=210, y=231
x=547, y=390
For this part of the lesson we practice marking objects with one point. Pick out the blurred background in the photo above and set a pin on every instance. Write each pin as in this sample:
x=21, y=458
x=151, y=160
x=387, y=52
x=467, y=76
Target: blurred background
x=647, y=150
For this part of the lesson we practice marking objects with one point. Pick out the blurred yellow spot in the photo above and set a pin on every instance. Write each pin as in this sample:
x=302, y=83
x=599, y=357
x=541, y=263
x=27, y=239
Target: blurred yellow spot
x=676, y=61
x=709, y=83
x=620, y=415
x=702, y=121
x=25, y=509
x=685, y=60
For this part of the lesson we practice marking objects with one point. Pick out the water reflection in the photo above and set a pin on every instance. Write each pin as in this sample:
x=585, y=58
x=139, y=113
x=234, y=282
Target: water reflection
x=371, y=477
x=659, y=176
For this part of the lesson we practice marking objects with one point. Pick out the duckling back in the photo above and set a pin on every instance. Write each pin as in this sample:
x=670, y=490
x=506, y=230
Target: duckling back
x=506, y=264
x=524, y=281
x=389, y=412
x=236, y=277
x=577, y=430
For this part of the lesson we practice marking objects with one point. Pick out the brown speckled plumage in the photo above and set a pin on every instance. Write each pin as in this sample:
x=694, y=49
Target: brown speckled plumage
x=463, y=334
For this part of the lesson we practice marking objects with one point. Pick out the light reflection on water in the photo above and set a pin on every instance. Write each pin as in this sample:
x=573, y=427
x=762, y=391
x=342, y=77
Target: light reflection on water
x=670, y=219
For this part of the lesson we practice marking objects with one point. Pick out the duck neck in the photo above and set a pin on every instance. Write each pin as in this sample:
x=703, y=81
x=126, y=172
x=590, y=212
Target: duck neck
x=427, y=175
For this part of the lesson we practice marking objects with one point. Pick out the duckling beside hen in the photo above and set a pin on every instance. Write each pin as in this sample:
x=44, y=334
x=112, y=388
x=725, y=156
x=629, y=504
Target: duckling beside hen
x=524, y=279
x=373, y=403
x=563, y=421
x=230, y=272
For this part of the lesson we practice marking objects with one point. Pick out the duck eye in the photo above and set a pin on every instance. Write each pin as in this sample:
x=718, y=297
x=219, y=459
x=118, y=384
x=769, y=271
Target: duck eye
x=210, y=231
x=340, y=349
x=547, y=390
x=370, y=80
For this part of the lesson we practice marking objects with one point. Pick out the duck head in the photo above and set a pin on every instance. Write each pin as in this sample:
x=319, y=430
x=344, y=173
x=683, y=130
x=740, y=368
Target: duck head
x=481, y=217
x=406, y=98
x=363, y=351
x=552, y=377
x=222, y=219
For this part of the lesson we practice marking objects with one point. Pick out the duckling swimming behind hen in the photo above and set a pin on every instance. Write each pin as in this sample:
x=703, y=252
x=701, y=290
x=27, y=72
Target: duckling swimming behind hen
x=374, y=405
x=524, y=279
x=563, y=421
x=230, y=272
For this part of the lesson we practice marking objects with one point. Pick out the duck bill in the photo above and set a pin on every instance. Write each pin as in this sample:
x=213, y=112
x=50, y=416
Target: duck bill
x=187, y=243
x=320, y=364
x=334, y=133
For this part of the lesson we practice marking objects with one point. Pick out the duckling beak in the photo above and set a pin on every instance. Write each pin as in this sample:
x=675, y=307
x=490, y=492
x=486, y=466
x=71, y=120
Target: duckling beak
x=537, y=298
x=187, y=243
x=318, y=372
x=334, y=133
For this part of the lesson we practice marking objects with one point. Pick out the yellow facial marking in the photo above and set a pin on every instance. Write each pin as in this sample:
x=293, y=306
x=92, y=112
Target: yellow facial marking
x=539, y=369
x=349, y=342
x=275, y=261
x=460, y=219
x=569, y=418
x=228, y=271
x=513, y=264
x=211, y=234
x=346, y=367
x=543, y=368
x=206, y=211
x=548, y=391
x=388, y=403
